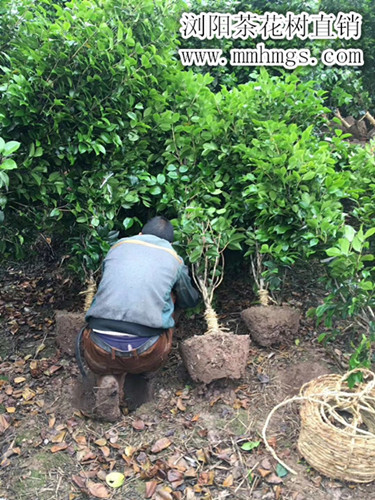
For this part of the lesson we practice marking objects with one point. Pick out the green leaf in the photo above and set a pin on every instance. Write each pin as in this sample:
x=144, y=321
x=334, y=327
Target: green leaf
x=145, y=61
x=155, y=190
x=132, y=115
x=8, y=164
x=128, y=222
x=333, y=252
x=357, y=244
x=308, y=176
x=132, y=136
x=369, y=233
x=10, y=147
x=4, y=179
x=195, y=256
x=344, y=246
x=120, y=32
x=349, y=233
x=281, y=471
x=250, y=445
x=55, y=212
x=366, y=285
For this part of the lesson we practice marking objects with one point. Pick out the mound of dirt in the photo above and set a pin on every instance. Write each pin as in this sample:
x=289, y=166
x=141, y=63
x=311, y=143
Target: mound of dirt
x=292, y=377
x=271, y=324
x=215, y=355
x=68, y=325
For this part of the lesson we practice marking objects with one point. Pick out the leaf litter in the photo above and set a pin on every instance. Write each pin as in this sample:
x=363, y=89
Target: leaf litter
x=191, y=443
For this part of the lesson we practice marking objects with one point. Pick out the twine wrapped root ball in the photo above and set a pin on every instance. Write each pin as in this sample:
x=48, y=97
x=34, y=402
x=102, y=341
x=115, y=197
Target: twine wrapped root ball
x=337, y=435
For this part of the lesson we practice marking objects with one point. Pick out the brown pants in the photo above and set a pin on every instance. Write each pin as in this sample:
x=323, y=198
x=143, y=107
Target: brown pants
x=103, y=363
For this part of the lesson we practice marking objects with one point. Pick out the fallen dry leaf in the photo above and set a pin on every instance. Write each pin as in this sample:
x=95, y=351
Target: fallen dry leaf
x=177, y=461
x=228, y=481
x=101, y=442
x=59, y=447
x=277, y=492
x=180, y=405
x=150, y=488
x=191, y=473
x=87, y=456
x=19, y=380
x=161, y=444
x=202, y=456
x=142, y=458
x=80, y=440
x=101, y=475
x=79, y=481
x=28, y=394
x=98, y=490
x=11, y=409
x=129, y=451
x=266, y=464
x=4, y=424
x=264, y=472
x=206, y=478
x=164, y=494
x=272, y=441
x=105, y=450
x=273, y=479
x=174, y=475
x=59, y=438
x=52, y=369
x=190, y=495
x=112, y=435
x=215, y=400
x=138, y=424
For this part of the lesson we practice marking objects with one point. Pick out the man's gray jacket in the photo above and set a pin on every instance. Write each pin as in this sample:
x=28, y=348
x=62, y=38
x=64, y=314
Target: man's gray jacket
x=134, y=295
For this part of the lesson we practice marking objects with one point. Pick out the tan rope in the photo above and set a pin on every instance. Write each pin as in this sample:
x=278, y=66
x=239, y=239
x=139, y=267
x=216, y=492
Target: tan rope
x=264, y=297
x=334, y=446
x=211, y=319
x=89, y=293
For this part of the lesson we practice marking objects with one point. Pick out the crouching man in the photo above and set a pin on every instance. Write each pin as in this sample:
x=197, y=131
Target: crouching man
x=131, y=319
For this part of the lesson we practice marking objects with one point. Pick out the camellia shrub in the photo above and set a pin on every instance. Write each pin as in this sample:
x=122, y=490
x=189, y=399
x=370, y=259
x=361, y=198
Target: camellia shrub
x=292, y=195
x=81, y=83
x=218, y=353
x=113, y=130
x=350, y=282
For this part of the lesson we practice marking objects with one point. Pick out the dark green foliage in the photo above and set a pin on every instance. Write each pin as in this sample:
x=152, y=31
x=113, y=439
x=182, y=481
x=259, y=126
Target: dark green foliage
x=81, y=84
x=112, y=130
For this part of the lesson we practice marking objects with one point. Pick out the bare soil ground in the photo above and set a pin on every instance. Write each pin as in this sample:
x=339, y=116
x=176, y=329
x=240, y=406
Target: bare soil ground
x=186, y=443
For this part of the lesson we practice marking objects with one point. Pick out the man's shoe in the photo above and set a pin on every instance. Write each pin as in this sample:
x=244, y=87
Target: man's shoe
x=108, y=399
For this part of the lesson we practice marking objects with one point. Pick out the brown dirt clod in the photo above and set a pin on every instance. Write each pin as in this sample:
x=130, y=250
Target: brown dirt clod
x=271, y=324
x=68, y=325
x=215, y=355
